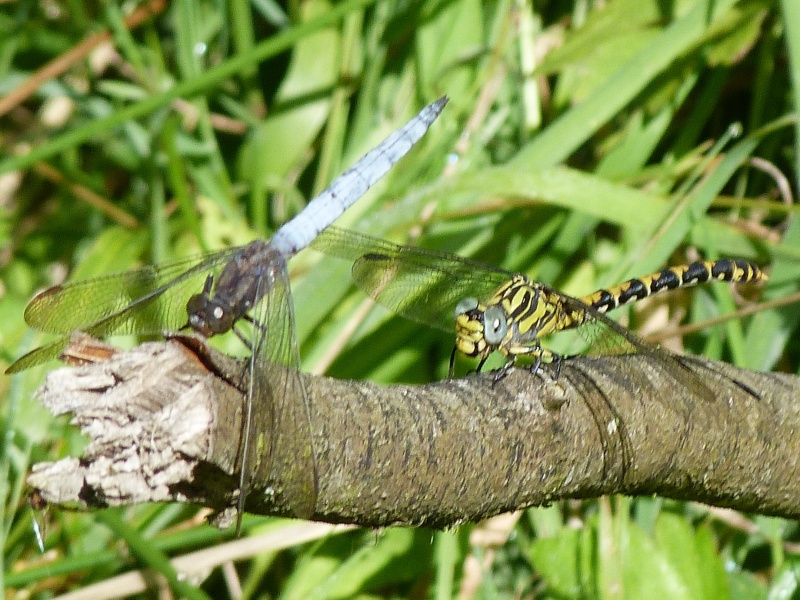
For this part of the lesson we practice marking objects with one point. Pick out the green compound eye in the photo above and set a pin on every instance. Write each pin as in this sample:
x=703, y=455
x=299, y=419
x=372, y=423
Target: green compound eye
x=466, y=305
x=494, y=325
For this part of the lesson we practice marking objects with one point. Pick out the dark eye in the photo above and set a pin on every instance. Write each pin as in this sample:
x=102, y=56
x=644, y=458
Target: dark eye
x=494, y=325
x=220, y=319
x=207, y=317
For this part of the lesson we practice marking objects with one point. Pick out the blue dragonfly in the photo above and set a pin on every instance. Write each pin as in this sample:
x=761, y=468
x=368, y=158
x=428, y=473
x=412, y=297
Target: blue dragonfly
x=247, y=283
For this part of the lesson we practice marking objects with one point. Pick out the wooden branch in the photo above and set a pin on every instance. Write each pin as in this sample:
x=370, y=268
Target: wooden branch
x=164, y=421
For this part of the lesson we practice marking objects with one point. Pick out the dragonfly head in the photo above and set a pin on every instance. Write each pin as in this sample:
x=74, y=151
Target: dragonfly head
x=479, y=329
x=208, y=315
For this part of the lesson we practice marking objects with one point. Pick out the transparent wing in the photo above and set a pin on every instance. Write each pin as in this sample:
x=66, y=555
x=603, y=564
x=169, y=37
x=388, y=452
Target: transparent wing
x=145, y=300
x=617, y=447
x=418, y=284
x=608, y=337
x=80, y=304
x=279, y=437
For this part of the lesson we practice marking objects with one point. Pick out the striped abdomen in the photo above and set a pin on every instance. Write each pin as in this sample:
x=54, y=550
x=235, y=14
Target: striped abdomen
x=702, y=271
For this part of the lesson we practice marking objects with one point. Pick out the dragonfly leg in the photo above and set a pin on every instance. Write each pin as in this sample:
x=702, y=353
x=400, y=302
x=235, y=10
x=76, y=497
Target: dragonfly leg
x=255, y=323
x=558, y=359
x=244, y=339
x=503, y=371
x=452, y=363
x=537, y=363
x=540, y=354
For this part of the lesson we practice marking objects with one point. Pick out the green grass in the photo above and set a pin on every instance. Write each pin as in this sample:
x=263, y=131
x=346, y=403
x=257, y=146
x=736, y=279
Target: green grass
x=580, y=146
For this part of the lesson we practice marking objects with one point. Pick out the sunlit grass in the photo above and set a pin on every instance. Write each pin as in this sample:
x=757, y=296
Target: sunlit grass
x=580, y=146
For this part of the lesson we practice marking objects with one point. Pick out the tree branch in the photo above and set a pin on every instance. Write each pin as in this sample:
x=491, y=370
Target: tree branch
x=164, y=422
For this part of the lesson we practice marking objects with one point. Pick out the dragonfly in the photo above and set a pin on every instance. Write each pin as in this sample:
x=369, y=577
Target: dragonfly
x=212, y=294
x=494, y=310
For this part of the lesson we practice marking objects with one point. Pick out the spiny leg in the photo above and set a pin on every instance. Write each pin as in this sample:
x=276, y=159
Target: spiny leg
x=503, y=371
x=255, y=323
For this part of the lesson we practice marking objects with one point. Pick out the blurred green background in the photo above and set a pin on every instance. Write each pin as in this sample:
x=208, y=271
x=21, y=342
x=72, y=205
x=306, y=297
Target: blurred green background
x=585, y=142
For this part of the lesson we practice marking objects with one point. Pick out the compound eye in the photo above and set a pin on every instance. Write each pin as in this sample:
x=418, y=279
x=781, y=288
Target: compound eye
x=466, y=305
x=218, y=315
x=220, y=320
x=494, y=325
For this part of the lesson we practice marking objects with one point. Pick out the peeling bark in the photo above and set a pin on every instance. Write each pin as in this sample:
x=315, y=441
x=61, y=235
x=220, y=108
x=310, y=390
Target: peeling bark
x=164, y=422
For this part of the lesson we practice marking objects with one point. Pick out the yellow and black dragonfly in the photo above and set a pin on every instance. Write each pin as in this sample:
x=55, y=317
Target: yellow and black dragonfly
x=491, y=309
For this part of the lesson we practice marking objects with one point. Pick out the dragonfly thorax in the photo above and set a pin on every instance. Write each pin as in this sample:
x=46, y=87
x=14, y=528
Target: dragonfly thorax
x=512, y=320
x=244, y=281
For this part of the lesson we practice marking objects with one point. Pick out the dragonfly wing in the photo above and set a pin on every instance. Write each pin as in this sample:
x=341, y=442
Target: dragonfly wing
x=155, y=295
x=39, y=355
x=611, y=427
x=419, y=284
x=145, y=300
x=279, y=438
x=611, y=338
